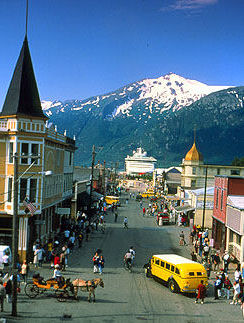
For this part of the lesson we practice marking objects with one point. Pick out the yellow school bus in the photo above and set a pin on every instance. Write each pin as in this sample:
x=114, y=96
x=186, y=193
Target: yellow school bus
x=181, y=274
x=148, y=193
x=112, y=200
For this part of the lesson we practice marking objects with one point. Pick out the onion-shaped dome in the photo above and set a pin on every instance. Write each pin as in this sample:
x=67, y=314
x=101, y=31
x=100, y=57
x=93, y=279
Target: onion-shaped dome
x=193, y=154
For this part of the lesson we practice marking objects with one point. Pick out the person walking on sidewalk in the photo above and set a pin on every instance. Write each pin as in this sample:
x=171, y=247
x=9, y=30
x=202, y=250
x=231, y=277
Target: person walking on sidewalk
x=182, y=239
x=100, y=264
x=24, y=270
x=115, y=216
x=95, y=262
x=125, y=222
x=237, y=290
x=201, y=292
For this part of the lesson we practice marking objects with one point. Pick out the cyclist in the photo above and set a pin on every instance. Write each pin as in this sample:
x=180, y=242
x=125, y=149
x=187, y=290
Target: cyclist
x=127, y=260
x=125, y=222
x=133, y=254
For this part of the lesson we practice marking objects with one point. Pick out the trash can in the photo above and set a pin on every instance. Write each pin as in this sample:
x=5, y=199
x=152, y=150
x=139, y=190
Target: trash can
x=160, y=222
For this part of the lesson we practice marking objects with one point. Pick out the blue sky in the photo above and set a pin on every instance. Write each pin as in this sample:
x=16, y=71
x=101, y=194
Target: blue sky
x=82, y=48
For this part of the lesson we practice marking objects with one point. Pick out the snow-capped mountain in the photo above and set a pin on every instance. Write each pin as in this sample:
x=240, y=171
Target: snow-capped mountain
x=140, y=99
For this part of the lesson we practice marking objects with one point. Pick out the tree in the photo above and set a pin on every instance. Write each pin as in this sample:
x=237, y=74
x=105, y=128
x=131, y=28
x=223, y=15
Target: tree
x=238, y=161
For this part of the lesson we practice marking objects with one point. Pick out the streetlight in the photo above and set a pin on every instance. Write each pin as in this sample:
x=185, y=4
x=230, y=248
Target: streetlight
x=15, y=227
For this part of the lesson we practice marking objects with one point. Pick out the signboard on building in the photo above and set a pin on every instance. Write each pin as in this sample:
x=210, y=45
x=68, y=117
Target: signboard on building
x=63, y=210
x=208, y=205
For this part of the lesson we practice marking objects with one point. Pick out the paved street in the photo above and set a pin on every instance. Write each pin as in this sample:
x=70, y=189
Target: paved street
x=126, y=297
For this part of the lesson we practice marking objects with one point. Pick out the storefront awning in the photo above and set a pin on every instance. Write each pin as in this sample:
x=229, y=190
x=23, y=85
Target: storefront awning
x=184, y=208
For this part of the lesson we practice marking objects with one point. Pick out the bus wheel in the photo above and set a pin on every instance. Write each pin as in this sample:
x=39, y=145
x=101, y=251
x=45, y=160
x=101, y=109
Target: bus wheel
x=172, y=286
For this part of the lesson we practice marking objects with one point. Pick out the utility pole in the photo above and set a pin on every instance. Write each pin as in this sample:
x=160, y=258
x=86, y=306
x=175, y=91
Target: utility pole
x=205, y=193
x=15, y=232
x=92, y=172
x=104, y=184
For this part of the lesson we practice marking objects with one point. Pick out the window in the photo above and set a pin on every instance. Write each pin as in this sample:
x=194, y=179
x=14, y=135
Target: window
x=24, y=152
x=193, y=170
x=231, y=236
x=191, y=273
x=157, y=262
x=235, y=172
x=33, y=188
x=177, y=271
x=238, y=239
x=193, y=183
x=172, y=268
x=10, y=186
x=23, y=189
x=70, y=158
x=11, y=152
x=218, y=171
x=199, y=273
x=34, y=152
x=167, y=266
x=221, y=202
x=162, y=263
x=217, y=199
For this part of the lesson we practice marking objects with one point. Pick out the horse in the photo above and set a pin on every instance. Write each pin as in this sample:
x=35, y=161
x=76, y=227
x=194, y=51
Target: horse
x=87, y=286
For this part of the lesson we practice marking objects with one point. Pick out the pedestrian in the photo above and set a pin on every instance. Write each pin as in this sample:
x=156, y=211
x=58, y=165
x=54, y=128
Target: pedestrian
x=115, y=216
x=62, y=259
x=2, y=294
x=72, y=242
x=208, y=267
x=217, y=287
x=36, y=258
x=125, y=222
x=57, y=260
x=40, y=256
x=5, y=259
x=236, y=287
x=216, y=261
x=96, y=223
x=182, y=239
x=95, y=262
x=88, y=231
x=80, y=239
x=227, y=287
x=206, y=251
x=24, y=271
x=201, y=292
x=8, y=289
x=49, y=250
x=66, y=235
x=237, y=273
x=143, y=211
x=100, y=264
x=226, y=261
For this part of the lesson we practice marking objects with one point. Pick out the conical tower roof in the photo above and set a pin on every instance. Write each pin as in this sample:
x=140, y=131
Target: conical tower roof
x=22, y=97
x=193, y=154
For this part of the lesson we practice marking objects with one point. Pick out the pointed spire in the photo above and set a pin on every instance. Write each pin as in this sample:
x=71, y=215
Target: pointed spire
x=22, y=97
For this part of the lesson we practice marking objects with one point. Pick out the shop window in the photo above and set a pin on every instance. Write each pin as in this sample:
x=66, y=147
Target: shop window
x=235, y=172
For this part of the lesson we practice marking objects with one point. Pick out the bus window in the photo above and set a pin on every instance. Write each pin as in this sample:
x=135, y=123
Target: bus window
x=177, y=271
x=172, y=268
x=191, y=273
x=167, y=266
x=199, y=273
x=157, y=262
x=162, y=263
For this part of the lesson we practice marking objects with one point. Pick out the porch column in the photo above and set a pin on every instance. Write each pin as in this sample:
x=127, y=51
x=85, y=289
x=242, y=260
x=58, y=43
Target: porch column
x=227, y=238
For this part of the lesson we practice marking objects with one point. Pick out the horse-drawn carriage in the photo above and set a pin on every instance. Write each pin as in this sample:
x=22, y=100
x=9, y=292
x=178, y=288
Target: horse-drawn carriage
x=63, y=288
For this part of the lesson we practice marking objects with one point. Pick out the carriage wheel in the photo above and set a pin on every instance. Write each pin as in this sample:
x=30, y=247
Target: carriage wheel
x=62, y=296
x=31, y=290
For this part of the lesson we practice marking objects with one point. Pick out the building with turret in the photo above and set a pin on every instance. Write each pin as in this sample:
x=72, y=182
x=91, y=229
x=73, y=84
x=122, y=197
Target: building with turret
x=194, y=170
x=39, y=150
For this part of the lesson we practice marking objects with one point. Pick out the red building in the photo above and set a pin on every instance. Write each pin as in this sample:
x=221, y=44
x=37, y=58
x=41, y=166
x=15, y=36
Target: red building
x=224, y=186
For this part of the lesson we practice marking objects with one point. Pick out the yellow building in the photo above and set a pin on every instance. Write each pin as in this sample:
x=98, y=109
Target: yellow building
x=194, y=170
x=40, y=148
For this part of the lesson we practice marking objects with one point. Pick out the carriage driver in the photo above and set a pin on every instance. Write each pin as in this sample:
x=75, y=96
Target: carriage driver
x=58, y=276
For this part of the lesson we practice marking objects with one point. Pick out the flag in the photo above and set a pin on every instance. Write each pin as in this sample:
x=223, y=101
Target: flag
x=29, y=206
